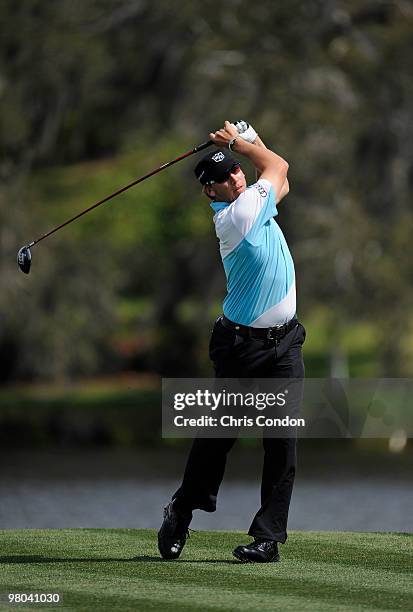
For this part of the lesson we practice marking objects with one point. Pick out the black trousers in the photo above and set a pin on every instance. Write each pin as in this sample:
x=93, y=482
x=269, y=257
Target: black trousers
x=236, y=356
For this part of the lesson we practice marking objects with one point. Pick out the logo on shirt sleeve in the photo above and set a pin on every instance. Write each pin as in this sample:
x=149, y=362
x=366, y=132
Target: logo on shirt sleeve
x=263, y=192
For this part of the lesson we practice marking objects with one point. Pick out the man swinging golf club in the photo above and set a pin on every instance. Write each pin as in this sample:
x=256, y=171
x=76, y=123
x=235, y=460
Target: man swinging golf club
x=257, y=336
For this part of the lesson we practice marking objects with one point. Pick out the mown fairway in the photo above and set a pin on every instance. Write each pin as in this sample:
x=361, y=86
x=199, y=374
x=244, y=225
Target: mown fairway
x=119, y=569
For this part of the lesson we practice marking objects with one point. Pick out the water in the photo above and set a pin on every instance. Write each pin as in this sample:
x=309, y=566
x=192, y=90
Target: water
x=130, y=490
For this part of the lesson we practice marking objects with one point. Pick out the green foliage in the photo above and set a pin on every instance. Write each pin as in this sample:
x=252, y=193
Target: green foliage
x=94, y=94
x=101, y=415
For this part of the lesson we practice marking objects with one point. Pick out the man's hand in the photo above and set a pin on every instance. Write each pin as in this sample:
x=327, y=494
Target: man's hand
x=270, y=166
x=225, y=135
x=230, y=131
x=246, y=131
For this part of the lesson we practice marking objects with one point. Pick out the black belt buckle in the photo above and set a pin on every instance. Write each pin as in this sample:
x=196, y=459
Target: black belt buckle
x=273, y=333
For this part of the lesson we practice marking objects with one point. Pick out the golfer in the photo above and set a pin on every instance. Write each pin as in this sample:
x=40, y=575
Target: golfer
x=257, y=336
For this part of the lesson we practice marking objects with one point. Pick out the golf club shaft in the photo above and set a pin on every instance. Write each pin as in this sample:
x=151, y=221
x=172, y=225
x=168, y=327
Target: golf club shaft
x=196, y=149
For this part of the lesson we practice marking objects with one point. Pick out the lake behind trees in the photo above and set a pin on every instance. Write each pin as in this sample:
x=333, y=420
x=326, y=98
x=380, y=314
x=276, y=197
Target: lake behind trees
x=339, y=488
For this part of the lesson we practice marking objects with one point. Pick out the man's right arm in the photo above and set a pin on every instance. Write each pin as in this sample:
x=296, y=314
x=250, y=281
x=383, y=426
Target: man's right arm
x=270, y=165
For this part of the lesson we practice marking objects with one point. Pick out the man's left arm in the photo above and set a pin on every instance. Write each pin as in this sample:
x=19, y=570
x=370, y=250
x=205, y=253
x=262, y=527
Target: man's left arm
x=286, y=187
x=284, y=190
x=247, y=133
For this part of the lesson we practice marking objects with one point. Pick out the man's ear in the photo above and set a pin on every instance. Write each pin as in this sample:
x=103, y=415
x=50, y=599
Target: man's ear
x=209, y=192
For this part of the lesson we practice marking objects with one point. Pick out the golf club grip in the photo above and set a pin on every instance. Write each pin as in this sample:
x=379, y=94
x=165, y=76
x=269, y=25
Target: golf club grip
x=203, y=146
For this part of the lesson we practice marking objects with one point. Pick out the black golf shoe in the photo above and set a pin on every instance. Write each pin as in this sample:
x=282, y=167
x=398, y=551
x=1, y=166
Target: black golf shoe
x=173, y=532
x=259, y=551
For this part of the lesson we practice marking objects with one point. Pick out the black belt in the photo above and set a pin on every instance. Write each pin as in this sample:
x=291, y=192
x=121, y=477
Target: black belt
x=263, y=333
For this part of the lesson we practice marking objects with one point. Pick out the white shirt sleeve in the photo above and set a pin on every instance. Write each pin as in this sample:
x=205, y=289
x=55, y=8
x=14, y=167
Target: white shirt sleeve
x=245, y=217
x=253, y=209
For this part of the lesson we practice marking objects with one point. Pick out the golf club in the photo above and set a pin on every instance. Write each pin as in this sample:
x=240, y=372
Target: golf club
x=24, y=256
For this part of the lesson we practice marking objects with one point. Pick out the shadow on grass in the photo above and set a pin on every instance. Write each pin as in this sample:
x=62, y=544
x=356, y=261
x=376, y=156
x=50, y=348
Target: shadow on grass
x=140, y=559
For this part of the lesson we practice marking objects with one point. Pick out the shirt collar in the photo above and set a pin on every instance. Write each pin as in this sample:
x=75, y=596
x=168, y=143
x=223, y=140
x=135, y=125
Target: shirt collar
x=217, y=206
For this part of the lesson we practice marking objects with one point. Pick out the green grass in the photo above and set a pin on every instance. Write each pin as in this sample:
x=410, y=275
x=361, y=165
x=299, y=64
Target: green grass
x=119, y=569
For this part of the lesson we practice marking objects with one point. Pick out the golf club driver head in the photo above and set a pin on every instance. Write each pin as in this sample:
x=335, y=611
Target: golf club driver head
x=24, y=256
x=24, y=259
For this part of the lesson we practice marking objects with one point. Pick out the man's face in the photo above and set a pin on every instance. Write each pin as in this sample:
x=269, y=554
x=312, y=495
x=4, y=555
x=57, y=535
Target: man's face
x=229, y=189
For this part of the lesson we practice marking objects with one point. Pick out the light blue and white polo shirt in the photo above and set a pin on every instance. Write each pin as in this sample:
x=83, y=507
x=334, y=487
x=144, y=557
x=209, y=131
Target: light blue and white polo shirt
x=257, y=261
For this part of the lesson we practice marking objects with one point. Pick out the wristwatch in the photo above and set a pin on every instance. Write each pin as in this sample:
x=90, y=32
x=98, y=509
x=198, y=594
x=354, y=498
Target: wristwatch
x=232, y=142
